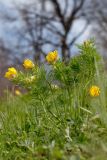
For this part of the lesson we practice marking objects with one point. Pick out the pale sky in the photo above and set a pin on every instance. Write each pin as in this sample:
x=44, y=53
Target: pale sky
x=13, y=1
x=9, y=2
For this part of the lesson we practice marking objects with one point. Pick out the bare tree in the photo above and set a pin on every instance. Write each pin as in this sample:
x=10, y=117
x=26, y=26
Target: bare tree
x=47, y=25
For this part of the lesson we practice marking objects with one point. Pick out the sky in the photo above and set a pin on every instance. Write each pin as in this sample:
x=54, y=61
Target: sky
x=9, y=1
x=14, y=1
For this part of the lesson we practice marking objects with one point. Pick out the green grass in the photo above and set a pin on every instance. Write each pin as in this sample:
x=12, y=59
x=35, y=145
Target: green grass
x=63, y=123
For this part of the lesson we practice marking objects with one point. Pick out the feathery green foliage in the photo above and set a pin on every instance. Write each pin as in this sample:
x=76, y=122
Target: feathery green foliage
x=57, y=118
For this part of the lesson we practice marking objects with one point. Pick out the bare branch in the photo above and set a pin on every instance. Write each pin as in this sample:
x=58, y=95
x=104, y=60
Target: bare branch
x=58, y=11
x=78, y=35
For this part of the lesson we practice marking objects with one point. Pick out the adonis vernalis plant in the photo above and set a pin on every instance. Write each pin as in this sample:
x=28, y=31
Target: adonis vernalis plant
x=63, y=111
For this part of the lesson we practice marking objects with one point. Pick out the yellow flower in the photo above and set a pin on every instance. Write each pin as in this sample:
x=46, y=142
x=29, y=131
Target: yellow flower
x=54, y=86
x=33, y=78
x=17, y=92
x=94, y=91
x=11, y=73
x=28, y=64
x=30, y=79
x=87, y=43
x=52, y=57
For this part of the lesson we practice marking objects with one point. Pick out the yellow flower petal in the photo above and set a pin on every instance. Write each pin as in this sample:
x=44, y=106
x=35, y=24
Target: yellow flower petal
x=17, y=92
x=28, y=64
x=52, y=57
x=11, y=73
x=94, y=91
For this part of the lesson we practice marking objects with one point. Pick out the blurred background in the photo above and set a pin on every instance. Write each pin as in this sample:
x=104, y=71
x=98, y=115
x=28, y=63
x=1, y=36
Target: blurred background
x=32, y=28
